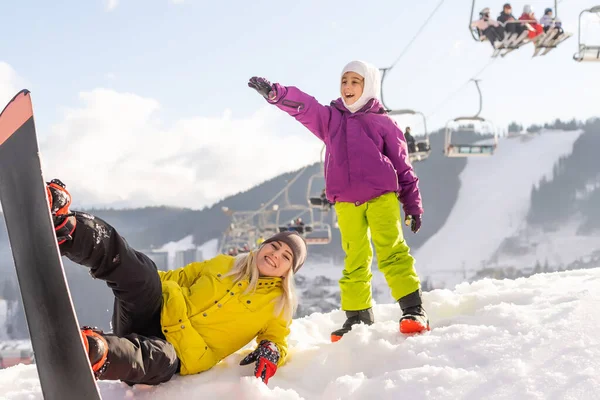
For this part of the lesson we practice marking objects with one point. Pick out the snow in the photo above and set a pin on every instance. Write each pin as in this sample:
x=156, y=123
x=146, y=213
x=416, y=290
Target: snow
x=493, y=200
x=559, y=248
x=172, y=248
x=530, y=338
x=209, y=249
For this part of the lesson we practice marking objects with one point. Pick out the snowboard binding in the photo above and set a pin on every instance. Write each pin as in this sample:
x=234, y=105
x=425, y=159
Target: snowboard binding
x=97, y=349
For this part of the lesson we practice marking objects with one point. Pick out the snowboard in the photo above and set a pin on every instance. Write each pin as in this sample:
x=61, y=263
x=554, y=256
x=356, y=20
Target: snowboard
x=62, y=363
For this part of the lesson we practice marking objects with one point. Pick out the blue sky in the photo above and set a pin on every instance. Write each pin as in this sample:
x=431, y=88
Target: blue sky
x=158, y=82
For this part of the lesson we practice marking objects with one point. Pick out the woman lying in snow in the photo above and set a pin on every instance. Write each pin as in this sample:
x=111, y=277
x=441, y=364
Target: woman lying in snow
x=187, y=320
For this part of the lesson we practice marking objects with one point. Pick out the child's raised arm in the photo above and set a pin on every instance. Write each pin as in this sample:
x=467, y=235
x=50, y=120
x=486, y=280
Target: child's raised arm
x=306, y=109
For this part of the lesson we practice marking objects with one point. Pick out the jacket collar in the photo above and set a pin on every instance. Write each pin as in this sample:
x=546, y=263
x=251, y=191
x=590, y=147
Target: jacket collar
x=372, y=106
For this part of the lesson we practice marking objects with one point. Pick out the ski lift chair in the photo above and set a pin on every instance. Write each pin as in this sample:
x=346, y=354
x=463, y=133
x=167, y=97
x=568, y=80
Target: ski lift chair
x=315, y=201
x=508, y=44
x=454, y=149
x=587, y=52
x=321, y=234
x=423, y=147
x=301, y=229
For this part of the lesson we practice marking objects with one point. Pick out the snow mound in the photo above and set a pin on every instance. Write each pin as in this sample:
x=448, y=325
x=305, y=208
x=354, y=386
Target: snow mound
x=530, y=338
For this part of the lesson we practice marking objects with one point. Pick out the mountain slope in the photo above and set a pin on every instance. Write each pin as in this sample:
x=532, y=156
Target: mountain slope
x=531, y=338
x=493, y=203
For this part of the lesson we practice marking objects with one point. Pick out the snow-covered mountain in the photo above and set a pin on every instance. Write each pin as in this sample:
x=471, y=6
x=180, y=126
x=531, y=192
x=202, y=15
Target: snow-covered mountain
x=530, y=338
x=493, y=202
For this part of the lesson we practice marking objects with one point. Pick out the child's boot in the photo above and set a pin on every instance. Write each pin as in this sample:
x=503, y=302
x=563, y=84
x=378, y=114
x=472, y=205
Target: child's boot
x=353, y=318
x=414, y=318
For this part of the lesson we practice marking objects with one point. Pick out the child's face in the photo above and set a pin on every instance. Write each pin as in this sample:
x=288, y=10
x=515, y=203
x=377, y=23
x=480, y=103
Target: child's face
x=352, y=87
x=274, y=259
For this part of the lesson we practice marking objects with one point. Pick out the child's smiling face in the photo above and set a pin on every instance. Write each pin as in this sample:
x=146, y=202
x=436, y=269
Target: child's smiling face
x=352, y=87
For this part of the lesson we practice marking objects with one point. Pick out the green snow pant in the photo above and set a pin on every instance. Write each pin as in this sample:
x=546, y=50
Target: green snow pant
x=380, y=219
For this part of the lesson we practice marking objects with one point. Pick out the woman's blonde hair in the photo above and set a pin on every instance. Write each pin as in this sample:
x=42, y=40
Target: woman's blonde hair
x=244, y=267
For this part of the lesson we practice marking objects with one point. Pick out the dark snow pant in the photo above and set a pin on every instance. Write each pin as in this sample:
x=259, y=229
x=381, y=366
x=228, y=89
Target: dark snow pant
x=494, y=34
x=515, y=28
x=137, y=349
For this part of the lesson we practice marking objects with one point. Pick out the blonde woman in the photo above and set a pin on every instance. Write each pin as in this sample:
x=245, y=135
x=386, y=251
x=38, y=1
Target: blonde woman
x=187, y=320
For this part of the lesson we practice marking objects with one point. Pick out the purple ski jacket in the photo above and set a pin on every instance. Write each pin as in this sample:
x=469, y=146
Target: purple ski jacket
x=366, y=153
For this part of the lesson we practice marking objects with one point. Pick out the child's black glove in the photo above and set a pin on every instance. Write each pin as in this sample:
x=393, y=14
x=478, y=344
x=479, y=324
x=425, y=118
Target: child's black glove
x=414, y=221
x=263, y=86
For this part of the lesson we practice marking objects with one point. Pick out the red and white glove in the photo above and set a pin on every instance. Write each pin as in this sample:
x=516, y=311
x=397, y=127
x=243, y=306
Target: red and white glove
x=266, y=357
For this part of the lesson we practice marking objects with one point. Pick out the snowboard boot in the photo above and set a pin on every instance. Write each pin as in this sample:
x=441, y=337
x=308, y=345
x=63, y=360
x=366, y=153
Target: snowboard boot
x=59, y=201
x=353, y=318
x=414, y=318
x=97, y=349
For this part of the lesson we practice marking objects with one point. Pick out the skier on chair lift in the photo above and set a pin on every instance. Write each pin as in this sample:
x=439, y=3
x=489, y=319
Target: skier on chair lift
x=529, y=16
x=489, y=28
x=548, y=23
x=410, y=141
x=512, y=28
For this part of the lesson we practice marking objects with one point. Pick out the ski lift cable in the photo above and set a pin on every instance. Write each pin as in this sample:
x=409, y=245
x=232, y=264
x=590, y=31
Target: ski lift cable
x=251, y=216
x=415, y=36
x=267, y=204
x=451, y=95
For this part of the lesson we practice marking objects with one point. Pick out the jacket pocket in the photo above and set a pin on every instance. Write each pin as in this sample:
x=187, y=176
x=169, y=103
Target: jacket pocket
x=191, y=349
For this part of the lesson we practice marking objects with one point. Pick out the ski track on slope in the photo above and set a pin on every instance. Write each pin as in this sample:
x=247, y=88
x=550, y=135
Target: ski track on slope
x=493, y=200
x=530, y=338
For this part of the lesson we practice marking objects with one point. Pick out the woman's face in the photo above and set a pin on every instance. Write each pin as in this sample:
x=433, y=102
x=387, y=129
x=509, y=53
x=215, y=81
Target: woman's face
x=274, y=259
x=352, y=87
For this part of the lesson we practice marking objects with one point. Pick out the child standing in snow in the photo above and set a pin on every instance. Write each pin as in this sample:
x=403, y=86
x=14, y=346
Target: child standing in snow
x=366, y=170
x=186, y=320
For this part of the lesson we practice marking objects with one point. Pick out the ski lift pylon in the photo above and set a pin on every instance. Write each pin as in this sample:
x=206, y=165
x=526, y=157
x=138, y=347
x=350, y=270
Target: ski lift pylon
x=453, y=149
x=586, y=52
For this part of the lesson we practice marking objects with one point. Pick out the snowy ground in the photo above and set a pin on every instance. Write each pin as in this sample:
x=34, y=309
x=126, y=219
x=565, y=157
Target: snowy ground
x=492, y=203
x=531, y=338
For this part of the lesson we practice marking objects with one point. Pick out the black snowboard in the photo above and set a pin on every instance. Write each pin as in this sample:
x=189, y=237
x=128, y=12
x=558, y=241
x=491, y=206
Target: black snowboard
x=60, y=357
